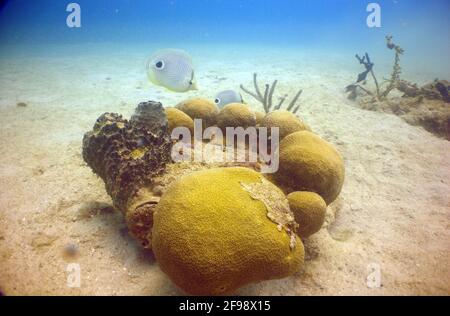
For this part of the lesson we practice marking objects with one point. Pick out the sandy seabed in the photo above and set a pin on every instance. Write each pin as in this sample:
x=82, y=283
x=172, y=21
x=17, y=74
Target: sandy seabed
x=393, y=212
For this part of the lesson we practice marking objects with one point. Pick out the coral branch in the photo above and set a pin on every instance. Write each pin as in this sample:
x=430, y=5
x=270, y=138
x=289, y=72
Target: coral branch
x=368, y=65
x=272, y=89
x=282, y=99
x=395, y=75
x=255, y=83
x=294, y=100
x=267, y=99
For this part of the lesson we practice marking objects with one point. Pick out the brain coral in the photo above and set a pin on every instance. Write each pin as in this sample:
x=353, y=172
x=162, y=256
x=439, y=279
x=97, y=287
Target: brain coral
x=309, y=163
x=177, y=118
x=259, y=116
x=219, y=229
x=198, y=108
x=286, y=121
x=309, y=211
x=236, y=115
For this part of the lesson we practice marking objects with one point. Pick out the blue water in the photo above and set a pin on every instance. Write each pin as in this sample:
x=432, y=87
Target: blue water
x=423, y=27
x=274, y=22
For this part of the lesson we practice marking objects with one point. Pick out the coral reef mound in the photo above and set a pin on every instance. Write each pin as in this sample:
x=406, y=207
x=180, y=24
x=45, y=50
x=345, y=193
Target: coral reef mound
x=259, y=116
x=286, y=121
x=199, y=108
x=236, y=115
x=217, y=230
x=309, y=163
x=309, y=211
x=177, y=118
x=426, y=106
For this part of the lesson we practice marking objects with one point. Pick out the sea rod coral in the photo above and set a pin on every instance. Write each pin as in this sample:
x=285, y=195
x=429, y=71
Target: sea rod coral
x=266, y=98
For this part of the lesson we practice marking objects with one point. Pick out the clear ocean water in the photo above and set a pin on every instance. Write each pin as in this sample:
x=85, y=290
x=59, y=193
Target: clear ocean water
x=39, y=27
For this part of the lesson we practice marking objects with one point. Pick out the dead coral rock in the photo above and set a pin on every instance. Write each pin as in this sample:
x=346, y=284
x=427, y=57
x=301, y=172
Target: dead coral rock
x=431, y=114
x=408, y=88
x=436, y=90
x=127, y=155
x=150, y=116
x=141, y=220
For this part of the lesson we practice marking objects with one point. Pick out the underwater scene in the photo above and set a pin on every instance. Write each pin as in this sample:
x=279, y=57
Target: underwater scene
x=212, y=147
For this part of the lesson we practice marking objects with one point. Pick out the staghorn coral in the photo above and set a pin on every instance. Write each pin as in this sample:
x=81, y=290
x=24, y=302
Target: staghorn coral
x=266, y=99
x=127, y=155
x=212, y=234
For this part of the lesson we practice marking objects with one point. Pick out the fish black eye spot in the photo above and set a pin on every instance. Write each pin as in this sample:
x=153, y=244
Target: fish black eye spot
x=159, y=64
x=216, y=100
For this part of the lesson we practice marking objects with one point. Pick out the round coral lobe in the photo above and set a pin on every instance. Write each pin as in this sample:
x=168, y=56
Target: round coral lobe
x=286, y=121
x=211, y=236
x=309, y=163
x=309, y=211
x=199, y=108
x=236, y=115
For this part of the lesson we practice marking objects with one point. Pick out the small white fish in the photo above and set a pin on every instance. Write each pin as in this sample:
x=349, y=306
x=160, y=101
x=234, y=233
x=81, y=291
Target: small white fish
x=172, y=69
x=226, y=97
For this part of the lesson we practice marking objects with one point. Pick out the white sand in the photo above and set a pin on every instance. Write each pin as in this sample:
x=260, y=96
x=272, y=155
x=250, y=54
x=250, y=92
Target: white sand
x=394, y=209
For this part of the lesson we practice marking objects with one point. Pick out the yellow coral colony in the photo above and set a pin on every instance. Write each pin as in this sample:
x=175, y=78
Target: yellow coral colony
x=198, y=108
x=259, y=116
x=309, y=163
x=177, y=118
x=309, y=211
x=214, y=231
x=236, y=115
x=287, y=122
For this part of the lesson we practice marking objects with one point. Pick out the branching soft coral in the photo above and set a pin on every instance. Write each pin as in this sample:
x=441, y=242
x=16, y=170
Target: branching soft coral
x=392, y=82
x=266, y=99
